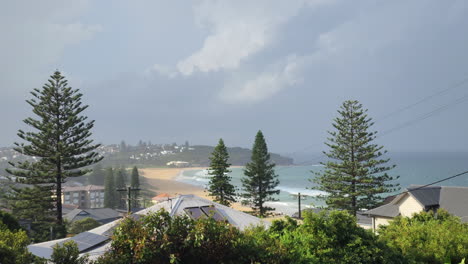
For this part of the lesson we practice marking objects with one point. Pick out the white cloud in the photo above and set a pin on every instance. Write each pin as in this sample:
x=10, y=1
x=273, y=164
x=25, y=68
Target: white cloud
x=280, y=76
x=162, y=70
x=239, y=29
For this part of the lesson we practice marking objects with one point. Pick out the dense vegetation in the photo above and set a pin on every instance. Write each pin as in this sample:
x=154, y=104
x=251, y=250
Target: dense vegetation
x=325, y=238
x=328, y=237
x=428, y=237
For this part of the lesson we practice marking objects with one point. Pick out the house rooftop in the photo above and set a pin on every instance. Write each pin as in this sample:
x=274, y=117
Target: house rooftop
x=96, y=241
x=454, y=199
x=83, y=188
x=102, y=215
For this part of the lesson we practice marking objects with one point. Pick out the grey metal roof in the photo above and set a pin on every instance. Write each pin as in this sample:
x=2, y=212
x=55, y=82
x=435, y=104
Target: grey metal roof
x=387, y=210
x=455, y=201
x=176, y=207
x=102, y=215
x=427, y=196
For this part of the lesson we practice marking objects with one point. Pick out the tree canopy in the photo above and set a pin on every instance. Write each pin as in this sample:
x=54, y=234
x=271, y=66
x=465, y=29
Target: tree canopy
x=355, y=175
x=220, y=186
x=260, y=178
x=59, y=146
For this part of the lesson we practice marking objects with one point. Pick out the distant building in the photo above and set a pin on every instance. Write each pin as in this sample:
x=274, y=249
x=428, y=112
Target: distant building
x=102, y=215
x=417, y=199
x=178, y=164
x=89, y=196
x=161, y=198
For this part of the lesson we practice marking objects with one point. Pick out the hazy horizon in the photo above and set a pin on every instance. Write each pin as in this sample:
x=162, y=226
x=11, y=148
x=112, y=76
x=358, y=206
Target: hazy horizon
x=203, y=70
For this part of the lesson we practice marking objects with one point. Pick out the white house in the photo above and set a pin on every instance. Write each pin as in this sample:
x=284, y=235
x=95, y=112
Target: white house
x=417, y=199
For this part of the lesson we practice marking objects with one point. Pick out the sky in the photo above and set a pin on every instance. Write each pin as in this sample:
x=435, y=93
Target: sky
x=171, y=71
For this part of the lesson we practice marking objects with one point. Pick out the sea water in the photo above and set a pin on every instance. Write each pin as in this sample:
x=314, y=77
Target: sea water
x=413, y=169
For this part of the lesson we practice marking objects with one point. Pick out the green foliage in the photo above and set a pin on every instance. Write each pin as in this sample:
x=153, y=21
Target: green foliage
x=67, y=253
x=331, y=237
x=355, y=175
x=110, y=193
x=160, y=238
x=13, y=246
x=60, y=138
x=428, y=237
x=36, y=205
x=260, y=178
x=135, y=183
x=120, y=184
x=9, y=221
x=83, y=225
x=220, y=186
x=135, y=178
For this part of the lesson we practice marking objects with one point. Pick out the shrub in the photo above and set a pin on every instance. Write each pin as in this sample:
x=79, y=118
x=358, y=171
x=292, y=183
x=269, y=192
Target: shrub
x=428, y=237
x=83, y=225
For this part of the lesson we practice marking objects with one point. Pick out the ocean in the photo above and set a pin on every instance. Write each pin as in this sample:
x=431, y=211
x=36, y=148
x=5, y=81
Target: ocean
x=413, y=169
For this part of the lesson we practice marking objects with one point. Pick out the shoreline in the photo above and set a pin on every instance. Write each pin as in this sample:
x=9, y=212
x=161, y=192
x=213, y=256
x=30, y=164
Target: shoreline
x=162, y=180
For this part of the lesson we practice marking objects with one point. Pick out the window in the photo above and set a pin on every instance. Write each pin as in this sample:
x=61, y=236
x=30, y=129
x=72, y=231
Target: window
x=75, y=194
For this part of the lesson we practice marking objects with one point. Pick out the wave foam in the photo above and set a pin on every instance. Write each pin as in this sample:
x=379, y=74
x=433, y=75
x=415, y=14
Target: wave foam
x=293, y=190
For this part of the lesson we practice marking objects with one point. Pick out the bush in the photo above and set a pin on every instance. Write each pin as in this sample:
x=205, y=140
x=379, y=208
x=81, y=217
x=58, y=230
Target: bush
x=13, y=246
x=67, y=253
x=428, y=237
x=332, y=237
x=9, y=221
x=83, y=225
x=325, y=238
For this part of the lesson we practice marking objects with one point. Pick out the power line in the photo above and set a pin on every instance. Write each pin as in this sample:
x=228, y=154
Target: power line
x=432, y=183
x=411, y=122
x=444, y=91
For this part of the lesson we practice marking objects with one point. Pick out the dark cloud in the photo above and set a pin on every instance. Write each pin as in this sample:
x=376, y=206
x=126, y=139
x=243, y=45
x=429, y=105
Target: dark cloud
x=312, y=57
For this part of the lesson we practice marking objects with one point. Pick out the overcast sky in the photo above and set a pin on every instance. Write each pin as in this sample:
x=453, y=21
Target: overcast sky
x=170, y=71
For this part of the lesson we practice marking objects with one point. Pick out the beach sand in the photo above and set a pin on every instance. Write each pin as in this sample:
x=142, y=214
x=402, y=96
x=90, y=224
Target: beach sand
x=163, y=180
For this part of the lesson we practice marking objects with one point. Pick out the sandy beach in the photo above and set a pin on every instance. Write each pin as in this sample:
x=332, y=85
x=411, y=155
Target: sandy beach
x=163, y=180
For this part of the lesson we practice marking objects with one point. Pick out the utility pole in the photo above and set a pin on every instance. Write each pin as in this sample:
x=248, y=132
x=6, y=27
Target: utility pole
x=299, y=203
x=299, y=198
x=129, y=191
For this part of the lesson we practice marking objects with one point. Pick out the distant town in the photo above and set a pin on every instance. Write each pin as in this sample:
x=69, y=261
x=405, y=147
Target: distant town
x=149, y=154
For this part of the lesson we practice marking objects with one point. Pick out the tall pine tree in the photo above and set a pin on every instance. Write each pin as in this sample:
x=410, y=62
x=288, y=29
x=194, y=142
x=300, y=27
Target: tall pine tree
x=110, y=193
x=220, y=186
x=260, y=178
x=135, y=183
x=59, y=141
x=355, y=175
x=120, y=184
